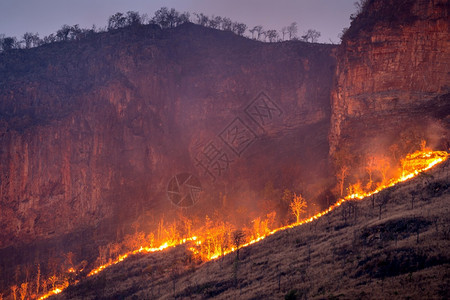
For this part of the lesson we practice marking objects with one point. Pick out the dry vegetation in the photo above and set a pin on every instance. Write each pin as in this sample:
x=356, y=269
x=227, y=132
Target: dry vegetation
x=394, y=245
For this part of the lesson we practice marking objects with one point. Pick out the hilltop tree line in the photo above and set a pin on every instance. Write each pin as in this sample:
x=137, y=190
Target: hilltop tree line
x=165, y=18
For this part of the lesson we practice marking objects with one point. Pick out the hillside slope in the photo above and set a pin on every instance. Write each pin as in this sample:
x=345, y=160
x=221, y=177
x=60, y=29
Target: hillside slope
x=358, y=251
x=91, y=131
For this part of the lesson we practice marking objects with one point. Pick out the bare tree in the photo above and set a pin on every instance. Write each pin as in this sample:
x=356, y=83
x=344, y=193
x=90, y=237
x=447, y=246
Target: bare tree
x=44, y=285
x=75, y=32
x=133, y=18
x=51, y=38
x=214, y=22
x=31, y=39
x=23, y=290
x=118, y=20
x=14, y=291
x=202, y=19
x=69, y=259
x=264, y=35
x=239, y=28
x=226, y=24
x=38, y=278
x=170, y=18
x=383, y=168
x=272, y=35
x=311, y=36
x=370, y=168
x=53, y=279
x=382, y=200
x=183, y=18
x=342, y=174
x=252, y=31
x=63, y=33
x=284, y=31
x=259, y=30
x=298, y=206
x=292, y=30
x=161, y=17
x=238, y=239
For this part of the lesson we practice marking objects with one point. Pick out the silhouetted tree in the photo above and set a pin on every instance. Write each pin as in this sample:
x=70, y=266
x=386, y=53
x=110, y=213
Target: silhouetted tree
x=63, y=33
x=239, y=28
x=118, y=20
x=183, y=18
x=311, y=36
x=272, y=35
x=214, y=22
x=38, y=278
x=51, y=38
x=284, y=31
x=174, y=18
x=252, y=31
x=226, y=24
x=292, y=30
x=342, y=174
x=264, y=35
x=238, y=239
x=8, y=43
x=75, y=32
x=202, y=19
x=258, y=29
x=382, y=200
x=413, y=193
x=169, y=18
x=342, y=33
x=133, y=18
x=30, y=39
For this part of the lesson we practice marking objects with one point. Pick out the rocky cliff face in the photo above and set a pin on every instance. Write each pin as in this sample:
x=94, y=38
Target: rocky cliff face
x=392, y=80
x=92, y=131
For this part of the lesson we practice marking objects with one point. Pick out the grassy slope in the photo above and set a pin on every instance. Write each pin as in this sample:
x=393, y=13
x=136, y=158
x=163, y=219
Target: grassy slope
x=341, y=256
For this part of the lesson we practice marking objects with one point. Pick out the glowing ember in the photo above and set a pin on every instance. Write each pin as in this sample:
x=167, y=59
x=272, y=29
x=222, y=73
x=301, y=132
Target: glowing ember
x=214, y=241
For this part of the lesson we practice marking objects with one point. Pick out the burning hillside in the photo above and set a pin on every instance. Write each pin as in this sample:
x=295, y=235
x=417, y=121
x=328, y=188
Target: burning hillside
x=181, y=146
x=296, y=259
x=216, y=237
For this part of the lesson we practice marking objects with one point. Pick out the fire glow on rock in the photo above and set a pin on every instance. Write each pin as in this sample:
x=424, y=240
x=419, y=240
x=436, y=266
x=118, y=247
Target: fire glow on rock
x=208, y=246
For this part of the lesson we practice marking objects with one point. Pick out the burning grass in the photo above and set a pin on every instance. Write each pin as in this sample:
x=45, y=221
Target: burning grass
x=339, y=256
x=217, y=238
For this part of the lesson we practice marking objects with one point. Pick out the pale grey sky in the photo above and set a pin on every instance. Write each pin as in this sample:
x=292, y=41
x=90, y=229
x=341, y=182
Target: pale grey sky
x=47, y=16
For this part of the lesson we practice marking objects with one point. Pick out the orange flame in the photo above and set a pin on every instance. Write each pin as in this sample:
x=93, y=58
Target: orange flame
x=208, y=242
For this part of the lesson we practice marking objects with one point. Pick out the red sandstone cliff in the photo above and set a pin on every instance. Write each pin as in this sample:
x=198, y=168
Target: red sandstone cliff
x=91, y=131
x=392, y=79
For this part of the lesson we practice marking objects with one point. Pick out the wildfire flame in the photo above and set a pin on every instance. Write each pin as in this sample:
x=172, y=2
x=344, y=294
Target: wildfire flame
x=206, y=245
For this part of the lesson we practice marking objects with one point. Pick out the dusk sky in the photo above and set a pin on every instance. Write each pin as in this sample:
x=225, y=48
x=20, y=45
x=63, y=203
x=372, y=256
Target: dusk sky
x=47, y=16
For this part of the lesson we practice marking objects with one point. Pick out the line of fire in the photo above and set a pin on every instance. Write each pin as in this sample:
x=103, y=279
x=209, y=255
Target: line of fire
x=216, y=237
